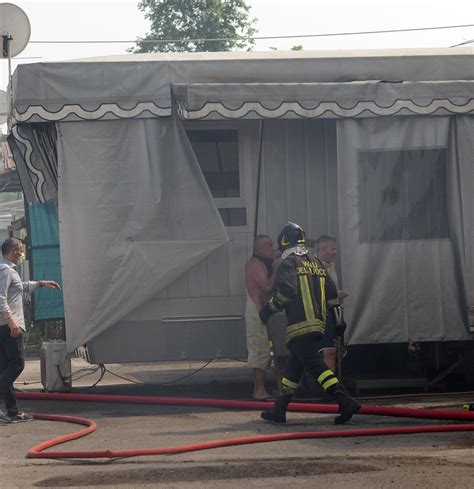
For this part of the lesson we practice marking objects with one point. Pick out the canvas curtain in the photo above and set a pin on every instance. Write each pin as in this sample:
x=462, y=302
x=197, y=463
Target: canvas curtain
x=135, y=213
x=405, y=225
x=34, y=151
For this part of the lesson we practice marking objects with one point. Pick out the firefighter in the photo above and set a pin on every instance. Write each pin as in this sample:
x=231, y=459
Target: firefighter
x=305, y=291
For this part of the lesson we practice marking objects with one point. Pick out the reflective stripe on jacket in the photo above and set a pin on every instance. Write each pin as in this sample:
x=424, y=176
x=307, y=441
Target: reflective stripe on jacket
x=303, y=289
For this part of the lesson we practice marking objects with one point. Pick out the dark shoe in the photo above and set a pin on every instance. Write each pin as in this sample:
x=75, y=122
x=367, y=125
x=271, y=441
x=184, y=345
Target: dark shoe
x=347, y=405
x=347, y=409
x=274, y=416
x=277, y=414
x=4, y=419
x=21, y=416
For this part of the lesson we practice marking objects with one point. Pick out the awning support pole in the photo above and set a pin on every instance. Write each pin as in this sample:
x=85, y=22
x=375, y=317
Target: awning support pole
x=259, y=171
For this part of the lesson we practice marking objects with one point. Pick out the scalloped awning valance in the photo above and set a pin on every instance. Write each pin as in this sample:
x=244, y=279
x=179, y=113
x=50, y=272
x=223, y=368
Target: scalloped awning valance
x=211, y=101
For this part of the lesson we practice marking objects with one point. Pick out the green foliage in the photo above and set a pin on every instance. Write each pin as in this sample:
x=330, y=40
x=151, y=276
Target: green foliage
x=196, y=19
x=39, y=331
x=298, y=47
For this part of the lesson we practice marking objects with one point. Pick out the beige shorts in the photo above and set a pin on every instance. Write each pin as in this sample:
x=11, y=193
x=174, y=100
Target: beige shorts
x=257, y=339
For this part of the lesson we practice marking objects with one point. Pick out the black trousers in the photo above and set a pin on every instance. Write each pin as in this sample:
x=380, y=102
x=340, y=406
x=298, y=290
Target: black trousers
x=12, y=363
x=303, y=356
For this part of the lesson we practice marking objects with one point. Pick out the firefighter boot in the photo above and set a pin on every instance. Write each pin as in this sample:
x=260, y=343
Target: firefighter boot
x=277, y=413
x=347, y=405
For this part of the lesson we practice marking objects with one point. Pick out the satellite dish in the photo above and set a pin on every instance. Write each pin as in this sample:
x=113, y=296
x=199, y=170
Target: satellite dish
x=3, y=107
x=15, y=30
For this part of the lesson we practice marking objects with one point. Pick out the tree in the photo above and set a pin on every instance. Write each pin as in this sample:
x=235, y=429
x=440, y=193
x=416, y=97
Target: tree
x=192, y=21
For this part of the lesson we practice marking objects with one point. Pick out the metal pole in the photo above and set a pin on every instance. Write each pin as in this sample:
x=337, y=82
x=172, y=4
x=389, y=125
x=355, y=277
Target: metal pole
x=259, y=171
x=9, y=62
x=276, y=367
x=339, y=347
x=6, y=53
x=273, y=359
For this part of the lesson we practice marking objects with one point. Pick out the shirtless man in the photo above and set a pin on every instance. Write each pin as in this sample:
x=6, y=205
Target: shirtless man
x=260, y=273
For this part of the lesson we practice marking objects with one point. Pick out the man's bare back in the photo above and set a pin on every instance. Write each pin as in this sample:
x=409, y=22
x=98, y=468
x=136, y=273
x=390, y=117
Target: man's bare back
x=260, y=273
x=258, y=280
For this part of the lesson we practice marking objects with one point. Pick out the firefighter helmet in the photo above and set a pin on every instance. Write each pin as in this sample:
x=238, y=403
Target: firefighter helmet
x=290, y=235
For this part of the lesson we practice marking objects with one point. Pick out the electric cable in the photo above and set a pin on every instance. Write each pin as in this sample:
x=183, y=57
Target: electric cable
x=462, y=43
x=91, y=370
x=163, y=383
x=87, y=371
x=102, y=373
x=101, y=376
x=72, y=377
x=256, y=38
x=123, y=378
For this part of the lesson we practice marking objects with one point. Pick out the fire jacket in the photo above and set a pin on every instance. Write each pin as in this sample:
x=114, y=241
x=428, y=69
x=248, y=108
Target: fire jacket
x=305, y=291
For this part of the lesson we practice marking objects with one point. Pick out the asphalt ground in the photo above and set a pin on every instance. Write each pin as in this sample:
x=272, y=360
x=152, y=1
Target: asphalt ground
x=438, y=460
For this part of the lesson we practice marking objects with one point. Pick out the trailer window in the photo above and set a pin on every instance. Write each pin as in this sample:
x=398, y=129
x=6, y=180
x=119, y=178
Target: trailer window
x=217, y=152
x=234, y=216
x=403, y=194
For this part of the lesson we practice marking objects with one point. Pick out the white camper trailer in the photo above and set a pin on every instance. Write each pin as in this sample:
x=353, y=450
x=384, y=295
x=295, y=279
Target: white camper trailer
x=154, y=162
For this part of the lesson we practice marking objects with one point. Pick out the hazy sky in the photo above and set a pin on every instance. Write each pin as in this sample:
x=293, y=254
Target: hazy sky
x=62, y=20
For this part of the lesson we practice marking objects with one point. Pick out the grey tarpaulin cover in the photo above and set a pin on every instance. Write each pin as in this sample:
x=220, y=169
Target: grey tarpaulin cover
x=408, y=277
x=138, y=86
x=402, y=174
x=34, y=150
x=132, y=224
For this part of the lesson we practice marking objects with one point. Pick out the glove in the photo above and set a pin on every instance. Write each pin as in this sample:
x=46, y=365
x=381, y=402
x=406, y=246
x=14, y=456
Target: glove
x=338, y=315
x=265, y=314
x=339, y=321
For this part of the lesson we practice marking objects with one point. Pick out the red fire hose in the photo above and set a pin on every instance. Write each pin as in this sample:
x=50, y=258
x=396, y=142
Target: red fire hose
x=38, y=450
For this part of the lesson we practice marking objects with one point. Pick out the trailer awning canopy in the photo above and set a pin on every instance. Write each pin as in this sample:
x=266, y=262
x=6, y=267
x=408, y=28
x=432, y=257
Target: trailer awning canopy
x=211, y=101
x=237, y=85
